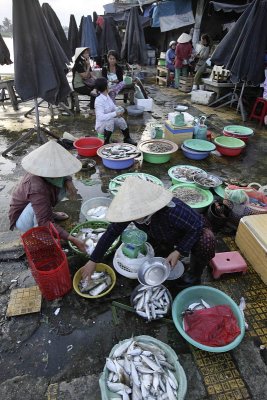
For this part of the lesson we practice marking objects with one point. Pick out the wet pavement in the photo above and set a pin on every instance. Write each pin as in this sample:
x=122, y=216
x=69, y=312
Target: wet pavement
x=56, y=357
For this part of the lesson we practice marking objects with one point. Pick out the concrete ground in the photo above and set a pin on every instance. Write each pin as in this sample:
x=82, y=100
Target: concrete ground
x=60, y=357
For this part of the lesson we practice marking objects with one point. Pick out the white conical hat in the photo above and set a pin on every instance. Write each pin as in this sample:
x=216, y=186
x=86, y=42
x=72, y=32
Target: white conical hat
x=51, y=160
x=79, y=51
x=184, y=38
x=136, y=199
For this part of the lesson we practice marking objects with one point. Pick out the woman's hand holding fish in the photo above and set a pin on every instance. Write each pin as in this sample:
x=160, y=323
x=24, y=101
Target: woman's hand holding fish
x=78, y=243
x=88, y=269
x=173, y=258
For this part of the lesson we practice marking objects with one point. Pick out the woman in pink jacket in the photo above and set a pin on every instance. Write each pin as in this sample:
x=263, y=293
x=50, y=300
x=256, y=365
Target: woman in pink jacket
x=182, y=54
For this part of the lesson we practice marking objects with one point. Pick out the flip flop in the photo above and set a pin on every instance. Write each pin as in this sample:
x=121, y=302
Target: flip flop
x=60, y=216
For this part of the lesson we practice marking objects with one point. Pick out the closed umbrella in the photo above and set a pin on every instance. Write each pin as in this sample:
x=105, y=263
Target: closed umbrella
x=73, y=35
x=242, y=49
x=89, y=36
x=4, y=53
x=110, y=38
x=56, y=27
x=39, y=61
x=134, y=46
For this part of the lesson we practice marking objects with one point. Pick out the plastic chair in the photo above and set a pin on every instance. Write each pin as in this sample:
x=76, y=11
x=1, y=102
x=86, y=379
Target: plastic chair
x=259, y=110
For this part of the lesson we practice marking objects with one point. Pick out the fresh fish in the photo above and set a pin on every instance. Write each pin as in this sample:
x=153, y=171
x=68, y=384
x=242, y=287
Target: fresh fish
x=151, y=363
x=124, y=395
x=144, y=370
x=170, y=393
x=117, y=386
x=97, y=275
x=122, y=348
x=205, y=304
x=134, y=373
x=110, y=365
x=136, y=392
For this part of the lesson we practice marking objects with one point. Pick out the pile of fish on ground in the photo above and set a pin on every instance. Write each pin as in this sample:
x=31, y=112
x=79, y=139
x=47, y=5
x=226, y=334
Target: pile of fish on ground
x=151, y=302
x=139, y=371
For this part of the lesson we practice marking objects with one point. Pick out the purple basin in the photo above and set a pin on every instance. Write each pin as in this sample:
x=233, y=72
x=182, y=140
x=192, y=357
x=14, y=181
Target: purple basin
x=118, y=164
x=194, y=155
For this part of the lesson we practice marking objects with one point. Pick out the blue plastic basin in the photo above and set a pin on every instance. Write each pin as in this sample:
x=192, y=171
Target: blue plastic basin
x=118, y=164
x=194, y=155
x=213, y=297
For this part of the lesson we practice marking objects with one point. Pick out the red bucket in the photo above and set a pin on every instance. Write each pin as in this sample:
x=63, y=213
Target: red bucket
x=47, y=261
x=88, y=146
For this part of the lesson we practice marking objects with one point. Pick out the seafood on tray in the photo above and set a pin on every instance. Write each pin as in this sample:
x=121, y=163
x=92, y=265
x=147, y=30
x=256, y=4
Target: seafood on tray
x=187, y=173
x=151, y=302
x=189, y=196
x=119, y=151
x=90, y=236
x=100, y=282
x=139, y=370
x=116, y=182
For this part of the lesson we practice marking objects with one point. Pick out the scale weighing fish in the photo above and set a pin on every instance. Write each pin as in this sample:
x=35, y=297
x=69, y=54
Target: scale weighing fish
x=152, y=302
x=100, y=282
x=150, y=375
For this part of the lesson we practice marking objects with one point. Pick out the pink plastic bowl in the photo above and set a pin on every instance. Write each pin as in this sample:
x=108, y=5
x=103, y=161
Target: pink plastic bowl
x=88, y=146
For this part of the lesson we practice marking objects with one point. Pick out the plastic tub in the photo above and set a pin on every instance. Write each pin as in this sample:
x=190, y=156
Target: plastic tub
x=194, y=155
x=93, y=203
x=201, y=205
x=92, y=224
x=88, y=146
x=182, y=179
x=238, y=130
x=213, y=297
x=199, y=144
x=229, y=146
x=157, y=158
x=171, y=357
x=99, y=268
x=118, y=164
x=244, y=138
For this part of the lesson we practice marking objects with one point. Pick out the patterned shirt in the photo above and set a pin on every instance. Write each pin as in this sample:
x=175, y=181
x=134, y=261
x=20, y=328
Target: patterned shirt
x=177, y=225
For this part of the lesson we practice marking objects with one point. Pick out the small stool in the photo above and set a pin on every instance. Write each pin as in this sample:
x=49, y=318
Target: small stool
x=227, y=263
x=262, y=104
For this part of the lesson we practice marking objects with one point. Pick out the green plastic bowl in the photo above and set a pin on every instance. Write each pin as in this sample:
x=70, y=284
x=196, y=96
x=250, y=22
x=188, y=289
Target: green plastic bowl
x=94, y=225
x=238, y=130
x=229, y=142
x=201, y=205
x=199, y=145
x=156, y=158
x=213, y=297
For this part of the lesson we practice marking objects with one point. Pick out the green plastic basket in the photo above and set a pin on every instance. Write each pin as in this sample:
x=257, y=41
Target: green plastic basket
x=172, y=357
x=208, y=196
x=94, y=225
x=113, y=186
x=213, y=297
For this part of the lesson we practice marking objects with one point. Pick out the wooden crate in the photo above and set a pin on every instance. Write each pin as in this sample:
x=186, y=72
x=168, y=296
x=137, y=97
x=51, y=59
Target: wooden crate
x=251, y=238
x=186, y=83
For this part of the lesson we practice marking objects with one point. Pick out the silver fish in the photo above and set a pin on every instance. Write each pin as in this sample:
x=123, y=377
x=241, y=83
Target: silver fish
x=122, y=348
x=98, y=289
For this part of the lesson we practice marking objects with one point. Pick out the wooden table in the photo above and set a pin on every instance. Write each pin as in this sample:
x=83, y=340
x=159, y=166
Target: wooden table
x=220, y=88
x=9, y=86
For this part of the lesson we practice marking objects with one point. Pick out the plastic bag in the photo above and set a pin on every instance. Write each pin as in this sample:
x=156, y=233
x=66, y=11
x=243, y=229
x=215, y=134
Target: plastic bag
x=214, y=326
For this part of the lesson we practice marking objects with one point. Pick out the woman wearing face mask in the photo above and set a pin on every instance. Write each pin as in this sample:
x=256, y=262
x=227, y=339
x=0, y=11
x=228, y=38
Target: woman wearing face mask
x=173, y=228
x=114, y=74
x=46, y=182
x=83, y=81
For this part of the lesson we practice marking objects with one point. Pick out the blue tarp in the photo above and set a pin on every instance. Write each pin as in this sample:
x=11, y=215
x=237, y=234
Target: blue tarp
x=89, y=36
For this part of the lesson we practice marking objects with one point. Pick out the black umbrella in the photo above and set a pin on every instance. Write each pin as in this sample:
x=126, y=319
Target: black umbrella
x=39, y=61
x=73, y=35
x=110, y=38
x=242, y=49
x=56, y=27
x=4, y=53
x=134, y=46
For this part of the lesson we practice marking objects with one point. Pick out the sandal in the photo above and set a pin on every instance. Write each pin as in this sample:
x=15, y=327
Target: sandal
x=60, y=216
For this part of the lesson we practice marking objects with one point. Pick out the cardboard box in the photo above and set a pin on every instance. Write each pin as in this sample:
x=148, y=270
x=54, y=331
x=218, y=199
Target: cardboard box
x=177, y=134
x=146, y=103
x=251, y=238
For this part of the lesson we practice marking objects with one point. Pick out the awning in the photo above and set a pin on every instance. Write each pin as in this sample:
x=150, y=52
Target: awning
x=228, y=7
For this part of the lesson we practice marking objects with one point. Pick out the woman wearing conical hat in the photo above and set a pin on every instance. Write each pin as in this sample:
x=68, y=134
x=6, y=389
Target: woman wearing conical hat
x=47, y=181
x=174, y=229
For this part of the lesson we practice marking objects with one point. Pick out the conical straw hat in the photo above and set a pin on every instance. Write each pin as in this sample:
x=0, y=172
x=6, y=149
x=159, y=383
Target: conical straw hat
x=79, y=51
x=51, y=160
x=184, y=38
x=136, y=199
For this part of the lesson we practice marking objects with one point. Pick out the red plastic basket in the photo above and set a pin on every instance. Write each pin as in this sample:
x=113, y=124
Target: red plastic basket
x=47, y=261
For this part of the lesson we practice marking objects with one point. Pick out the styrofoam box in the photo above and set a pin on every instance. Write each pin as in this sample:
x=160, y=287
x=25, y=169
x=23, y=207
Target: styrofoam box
x=146, y=103
x=151, y=53
x=202, y=97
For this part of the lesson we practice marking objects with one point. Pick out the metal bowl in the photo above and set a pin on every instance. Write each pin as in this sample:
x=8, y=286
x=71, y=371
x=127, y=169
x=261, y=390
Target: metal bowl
x=214, y=181
x=154, y=271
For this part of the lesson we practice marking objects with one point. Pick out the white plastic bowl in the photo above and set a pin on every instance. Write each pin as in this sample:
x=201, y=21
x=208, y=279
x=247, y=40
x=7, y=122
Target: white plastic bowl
x=93, y=203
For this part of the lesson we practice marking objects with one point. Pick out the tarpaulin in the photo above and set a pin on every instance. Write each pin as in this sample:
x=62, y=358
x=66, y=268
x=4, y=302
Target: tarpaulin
x=175, y=14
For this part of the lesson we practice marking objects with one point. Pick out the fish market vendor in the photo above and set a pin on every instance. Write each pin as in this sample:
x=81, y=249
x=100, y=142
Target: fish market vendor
x=173, y=228
x=47, y=181
x=108, y=116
